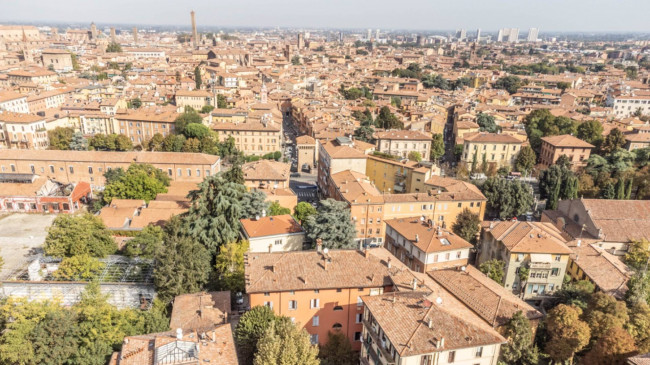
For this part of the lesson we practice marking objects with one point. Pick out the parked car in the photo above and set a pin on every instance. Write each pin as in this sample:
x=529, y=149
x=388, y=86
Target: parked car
x=295, y=174
x=239, y=298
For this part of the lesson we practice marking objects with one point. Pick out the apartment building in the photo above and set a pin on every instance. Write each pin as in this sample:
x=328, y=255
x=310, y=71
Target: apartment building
x=402, y=142
x=12, y=101
x=539, y=247
x=89, y=166
x=36, y=75
x=626, y=105
x=321, y=290
x=422, y=247
x=339, y=154
x=141, y=124
x=59, y=59
x=42, y=101
x=266, y=174
x=420, y=328
x=399, y=176
x=498, y=149
x=638, y=138
x=196, y=99
x=306, y=151
x=23, y=131
x=253, y=136
x=575, y=149
x=278, y=233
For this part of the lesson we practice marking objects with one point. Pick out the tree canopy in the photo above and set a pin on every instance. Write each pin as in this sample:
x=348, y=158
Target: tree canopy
x=541, y=123
x=507, y=198
x=494, y=269
x=230, y=266
x=520, y=349
x=60, y=138
x=333, y=224
x=140, y=181
x=283, y=343
x=251, y=327
x=84, y=234
x=467, y=225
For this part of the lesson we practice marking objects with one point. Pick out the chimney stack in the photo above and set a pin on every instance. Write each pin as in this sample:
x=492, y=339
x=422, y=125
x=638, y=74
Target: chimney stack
x=430, y=323
x=417, y=238
x=263, y=212
x=179, y=334
x=388, y=264
x=319, y=245
x=195, y=35
x=414, y=284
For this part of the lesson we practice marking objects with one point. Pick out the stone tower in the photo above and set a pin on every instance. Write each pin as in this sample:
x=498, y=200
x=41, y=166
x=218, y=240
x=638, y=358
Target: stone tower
x=135, y=35
x=195, y=36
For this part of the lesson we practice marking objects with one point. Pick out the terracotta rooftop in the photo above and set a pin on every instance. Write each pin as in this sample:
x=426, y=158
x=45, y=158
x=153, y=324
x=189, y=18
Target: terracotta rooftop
x=11, y=117
x=484, y=137
x=403, y=135
x=566, y=140
x=180, y=158
x=607, y=271
x=266, y=170
x=200, y=311
x=528, y=237
x=305, y=140
x=270, y=226
x=620, y=220
x=427, y=238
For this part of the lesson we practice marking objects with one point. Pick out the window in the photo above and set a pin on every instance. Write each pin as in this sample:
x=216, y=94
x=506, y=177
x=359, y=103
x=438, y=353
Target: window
x=426, y=360
x=452, y=356
x=293, y=305
x=316, y=291
x=268, y=304
x=359, y=302
x=90, y=169
x=357, y=336
x=71, y=170
x=315, y=321
x=339, y=308
x=337, y=326
x=479, y=351
x=460, y=205
x=266, y=294
x=558, y=257
x=520, y=257
x=189, y=172
x=278, y=242
x=314, y=303
x=178, y=172
x=198, y=172
x=359, y=317
x=31, y=167
x=555, y=272
x=314, y=339
x=339, y=290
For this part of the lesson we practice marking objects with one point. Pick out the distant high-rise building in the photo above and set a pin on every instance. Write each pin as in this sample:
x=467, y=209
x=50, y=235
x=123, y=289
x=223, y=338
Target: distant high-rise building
x=113, y=36
x=377, y=34
x=533, y=33
x=478, y=35
x=301, y=41
x=341, y=37
x=461, y=35
x=419, y=40
x=195, y=35
x=135, y=35
x=369, y=34
x=93, y=30
x=508, y=35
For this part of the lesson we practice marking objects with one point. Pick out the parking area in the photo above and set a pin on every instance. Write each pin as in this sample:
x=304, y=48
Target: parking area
x=21, y=235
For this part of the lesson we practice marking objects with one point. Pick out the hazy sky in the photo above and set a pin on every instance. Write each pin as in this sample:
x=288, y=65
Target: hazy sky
x=548, y=15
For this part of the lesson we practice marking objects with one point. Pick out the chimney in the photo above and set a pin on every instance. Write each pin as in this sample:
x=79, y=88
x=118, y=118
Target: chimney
x=179, y=334
x=430, y=323
x=319, y=245
x=414, y=284
x=388, y=264
x=270, y=247
x=263, y=212
x=438, y=231
x=272, y=268
x=417, y=238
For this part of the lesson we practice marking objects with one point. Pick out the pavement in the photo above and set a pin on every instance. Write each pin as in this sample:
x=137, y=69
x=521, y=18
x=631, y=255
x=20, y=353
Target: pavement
x=21, y=235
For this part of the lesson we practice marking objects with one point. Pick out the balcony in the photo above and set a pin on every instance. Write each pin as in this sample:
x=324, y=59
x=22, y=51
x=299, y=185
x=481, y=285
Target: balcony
x=540, y=265
x=386, y=357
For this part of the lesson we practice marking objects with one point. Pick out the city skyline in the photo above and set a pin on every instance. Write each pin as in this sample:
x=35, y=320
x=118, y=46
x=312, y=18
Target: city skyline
x=595, y=16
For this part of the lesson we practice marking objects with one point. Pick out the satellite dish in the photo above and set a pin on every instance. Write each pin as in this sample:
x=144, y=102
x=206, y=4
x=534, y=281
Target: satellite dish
x=439, y=300
x=325, y=251
x=463, y=268
x=422, y=219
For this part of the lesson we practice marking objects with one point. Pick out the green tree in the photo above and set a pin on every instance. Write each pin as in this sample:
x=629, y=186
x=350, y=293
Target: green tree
x=519, y=350
x=196, y=130
x=222, y=102
x=415, y=156
x=207, y=109
x=494, y=269
x=83, y=234
x=575, y=293
x=541, y=123
x=60, y=138
x=364, y=133
x=145, y=243
x=435, y=81
x=186, y=118
x=467, y=225
x=387, y=120
x=135, y=103
x=613, y=348
x=526, y=160
x=283, y=343
x=509, y=83
x=507, y=198
x=78, y=142
x=486, y=123
x=638, y=254
x=295, y=60
x=437, y=147
x=251, y=327
x=563, y=85
x=614, y=140
x=337, y=350
x=603, y=313
x=631, y=72
x=333, y=224
x=230, y=266
x=141, y=181
x=303, y=210
x=567, y=334
x=182, y=266
x=276, y=209
x=197, y=78
x=113, y=48
x=191, y=145
x=78, y=268
x=55, y=339
x=639, y=326
x=213, y=218
x=253, y=203
x=591, y=132
x=155, y=143
x=557, y=182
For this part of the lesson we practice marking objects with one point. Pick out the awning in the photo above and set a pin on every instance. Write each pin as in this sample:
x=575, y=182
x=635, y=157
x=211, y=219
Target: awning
x=541, y=257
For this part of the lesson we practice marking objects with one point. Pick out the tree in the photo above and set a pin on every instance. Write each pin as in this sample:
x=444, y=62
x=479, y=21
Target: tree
x=437, y=147
x=186, y=118
x=575, y=293
x=222, y=103
x=591, y=132
x=207, y=109
x=253, y=203
x=557, y=182
x=145, y=243
x=639, y=326
x=519, y=350
x=295, y=60
x=155, y=143
x=276, y=209
x=541, y=123
x=113, y=48
x=509, y=83
x=614, y=140
x=494, y=269
x=415, y=156
x=251, y=327
x=364, y=133
x=486, y=123
x=614, y=347
x=78, y=268
x=141, y=181
x=435, y=81
x=197, y=78
x=638, y=254
x=235, y=174
x=526, y=159
x=55, y=339
x=387, y=120
x=631, y=72
x=83, y=234
x=230, y=266
x=191, y=145
x=182, y=266
x=283, y=343
x=603, y=313
x=507, y=198
x=303, y=210
x=337, y=350
x=467, y=225
x=135, y=103
x=60, y=138
x=78, y=142
x=213, y=218
x=567, y=333
x=333, y=224
x=196, y=130
x=562, y=85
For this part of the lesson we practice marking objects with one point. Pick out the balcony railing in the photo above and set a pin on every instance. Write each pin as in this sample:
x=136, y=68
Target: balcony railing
x=540, y=265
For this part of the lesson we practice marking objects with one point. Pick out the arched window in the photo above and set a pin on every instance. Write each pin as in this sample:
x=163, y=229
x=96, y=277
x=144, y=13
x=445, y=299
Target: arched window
x=338, y=308
x=337, y=326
